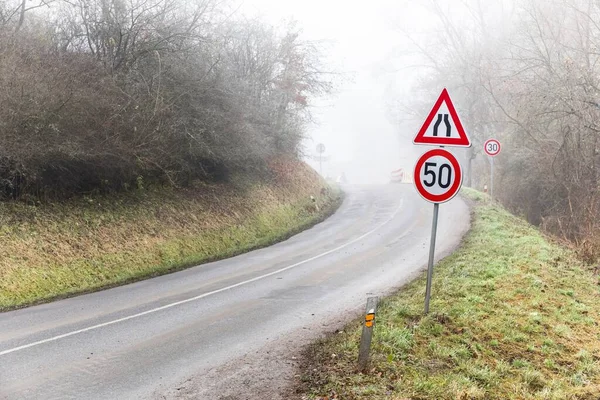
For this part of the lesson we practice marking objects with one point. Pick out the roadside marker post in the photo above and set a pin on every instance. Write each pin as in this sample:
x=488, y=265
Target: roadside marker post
x=438, y=174
x=492, y=148
x=367, y=333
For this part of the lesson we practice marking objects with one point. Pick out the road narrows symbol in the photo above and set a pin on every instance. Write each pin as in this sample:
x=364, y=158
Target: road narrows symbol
x=446, y=123
x=443, y=111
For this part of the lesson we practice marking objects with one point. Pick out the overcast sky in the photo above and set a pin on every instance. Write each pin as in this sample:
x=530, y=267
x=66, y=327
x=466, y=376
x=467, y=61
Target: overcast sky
x=354, y=124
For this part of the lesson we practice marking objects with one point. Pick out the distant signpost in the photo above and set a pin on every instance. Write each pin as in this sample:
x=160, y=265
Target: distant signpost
x=320, y=151
x=492, y=148
x=437, y=175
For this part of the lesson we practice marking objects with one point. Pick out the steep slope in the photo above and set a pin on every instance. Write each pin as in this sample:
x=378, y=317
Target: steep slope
x=55, y=250
x=514, y=316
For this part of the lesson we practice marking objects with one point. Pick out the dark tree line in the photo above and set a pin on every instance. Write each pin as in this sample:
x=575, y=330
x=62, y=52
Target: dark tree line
x=104, y=95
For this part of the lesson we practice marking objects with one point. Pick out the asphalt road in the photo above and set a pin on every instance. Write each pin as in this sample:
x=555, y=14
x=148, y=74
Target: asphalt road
x=137, y=340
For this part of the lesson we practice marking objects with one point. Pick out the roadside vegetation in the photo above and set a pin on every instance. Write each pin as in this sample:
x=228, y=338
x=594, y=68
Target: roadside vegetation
x=526, y=72
x=84, y=244
x=105, y=96
x=514, y=315
x=139, y=137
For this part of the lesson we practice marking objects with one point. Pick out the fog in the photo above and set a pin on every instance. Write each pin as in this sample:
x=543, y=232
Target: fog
x=202, y=89
x=362, y=133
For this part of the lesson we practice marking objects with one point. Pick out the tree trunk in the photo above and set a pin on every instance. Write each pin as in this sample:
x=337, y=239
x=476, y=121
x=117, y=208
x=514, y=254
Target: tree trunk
x=21, y=16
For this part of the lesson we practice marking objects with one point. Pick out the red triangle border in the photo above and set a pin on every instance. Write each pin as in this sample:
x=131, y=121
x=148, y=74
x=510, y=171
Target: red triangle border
x=463, y=139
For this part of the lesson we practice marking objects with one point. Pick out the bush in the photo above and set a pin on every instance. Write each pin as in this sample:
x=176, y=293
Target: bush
x=166, y=90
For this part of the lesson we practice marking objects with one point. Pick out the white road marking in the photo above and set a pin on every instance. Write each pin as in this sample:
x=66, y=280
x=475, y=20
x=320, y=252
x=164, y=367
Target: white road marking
x=177, y=303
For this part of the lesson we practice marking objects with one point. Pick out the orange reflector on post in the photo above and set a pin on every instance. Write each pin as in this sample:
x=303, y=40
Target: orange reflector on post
x=367, y=333
x=369, y=320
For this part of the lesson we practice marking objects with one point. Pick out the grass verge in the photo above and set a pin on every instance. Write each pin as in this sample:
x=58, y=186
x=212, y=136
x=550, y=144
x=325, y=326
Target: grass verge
x=57, y=250
x=514, y=316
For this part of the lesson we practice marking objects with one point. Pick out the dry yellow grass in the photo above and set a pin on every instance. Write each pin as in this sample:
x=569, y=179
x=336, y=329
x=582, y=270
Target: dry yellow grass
x=53, y=250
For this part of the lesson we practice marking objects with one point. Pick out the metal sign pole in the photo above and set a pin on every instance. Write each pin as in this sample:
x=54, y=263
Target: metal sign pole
x=436, y=209
x=321, y=164
x=492, y=180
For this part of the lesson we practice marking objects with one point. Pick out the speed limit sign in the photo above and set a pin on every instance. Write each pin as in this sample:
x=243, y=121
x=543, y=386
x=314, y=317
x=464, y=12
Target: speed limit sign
x=438, y=176
x=492, y=147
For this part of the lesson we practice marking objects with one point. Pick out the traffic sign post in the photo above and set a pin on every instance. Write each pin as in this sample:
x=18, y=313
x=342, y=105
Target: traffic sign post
x=438, y=175
x=321, y=150
x=492, y=148
x=438, y=179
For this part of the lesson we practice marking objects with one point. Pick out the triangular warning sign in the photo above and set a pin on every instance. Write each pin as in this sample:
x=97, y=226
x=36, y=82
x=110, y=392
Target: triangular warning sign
x=442, y=126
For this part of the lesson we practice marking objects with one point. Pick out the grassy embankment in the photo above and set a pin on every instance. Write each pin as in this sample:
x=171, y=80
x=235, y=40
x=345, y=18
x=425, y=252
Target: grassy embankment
x=55, y=250
x=514, y=316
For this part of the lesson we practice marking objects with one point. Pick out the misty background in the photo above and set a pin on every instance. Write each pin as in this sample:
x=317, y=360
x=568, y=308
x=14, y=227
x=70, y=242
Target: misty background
x=363, y=133
x=525, y=72
x=109, y=95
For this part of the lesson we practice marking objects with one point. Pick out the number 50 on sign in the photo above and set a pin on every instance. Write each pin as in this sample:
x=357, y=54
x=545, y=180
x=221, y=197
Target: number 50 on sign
x=438, y=176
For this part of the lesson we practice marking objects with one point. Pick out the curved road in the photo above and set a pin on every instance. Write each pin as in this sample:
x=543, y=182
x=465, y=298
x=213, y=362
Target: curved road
x=140, y=340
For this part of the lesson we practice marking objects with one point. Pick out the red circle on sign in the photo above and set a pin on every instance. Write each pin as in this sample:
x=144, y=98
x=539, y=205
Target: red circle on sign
x=452, y=190
x=489, y=143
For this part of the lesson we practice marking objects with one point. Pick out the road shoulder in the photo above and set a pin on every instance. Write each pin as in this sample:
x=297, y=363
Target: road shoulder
x=276, y=370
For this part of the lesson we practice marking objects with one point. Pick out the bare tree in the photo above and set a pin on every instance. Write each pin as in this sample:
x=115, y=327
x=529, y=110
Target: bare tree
x=457, y=56
x=107, y=92
x=536, y=86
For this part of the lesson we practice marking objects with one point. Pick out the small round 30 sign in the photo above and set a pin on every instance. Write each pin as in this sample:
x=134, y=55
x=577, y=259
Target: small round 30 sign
x=438, y=176
x=492, y=147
